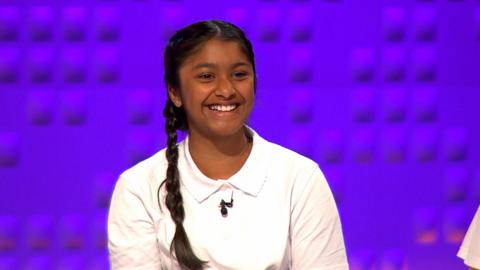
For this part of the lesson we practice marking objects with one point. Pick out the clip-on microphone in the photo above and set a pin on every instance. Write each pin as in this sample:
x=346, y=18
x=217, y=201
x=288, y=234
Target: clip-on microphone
x=223, y=206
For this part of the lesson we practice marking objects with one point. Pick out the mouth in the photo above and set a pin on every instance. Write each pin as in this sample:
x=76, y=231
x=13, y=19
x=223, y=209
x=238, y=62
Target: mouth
x=223, y=108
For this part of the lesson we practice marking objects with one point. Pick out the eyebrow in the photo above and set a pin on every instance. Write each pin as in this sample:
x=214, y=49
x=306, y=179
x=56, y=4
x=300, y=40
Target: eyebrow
x=212, y=65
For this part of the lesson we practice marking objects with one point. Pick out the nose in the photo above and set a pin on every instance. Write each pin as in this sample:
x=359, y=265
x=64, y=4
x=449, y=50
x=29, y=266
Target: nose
x=225, y=88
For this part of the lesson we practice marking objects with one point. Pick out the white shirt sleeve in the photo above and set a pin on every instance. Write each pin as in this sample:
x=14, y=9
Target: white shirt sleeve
x=470, y=248
x=132, y=242
x=317, y=240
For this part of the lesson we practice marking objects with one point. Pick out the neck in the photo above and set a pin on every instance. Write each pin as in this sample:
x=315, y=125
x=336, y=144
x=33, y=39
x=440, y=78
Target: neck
x=220, y=157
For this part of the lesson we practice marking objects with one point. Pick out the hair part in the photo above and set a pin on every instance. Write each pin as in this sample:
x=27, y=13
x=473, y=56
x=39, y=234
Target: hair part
x=181, y=45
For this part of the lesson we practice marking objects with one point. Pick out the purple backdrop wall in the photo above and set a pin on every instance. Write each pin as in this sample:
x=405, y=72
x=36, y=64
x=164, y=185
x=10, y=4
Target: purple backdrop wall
x=382, y=94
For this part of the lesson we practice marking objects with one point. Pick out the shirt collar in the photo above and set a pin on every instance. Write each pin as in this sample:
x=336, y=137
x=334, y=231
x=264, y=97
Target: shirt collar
x=250, y=178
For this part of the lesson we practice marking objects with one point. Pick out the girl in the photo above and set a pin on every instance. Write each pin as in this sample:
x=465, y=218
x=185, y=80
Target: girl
x=223, y=198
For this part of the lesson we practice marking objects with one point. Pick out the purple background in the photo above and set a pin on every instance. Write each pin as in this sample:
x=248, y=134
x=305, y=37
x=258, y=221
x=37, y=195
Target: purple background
x=384, y=95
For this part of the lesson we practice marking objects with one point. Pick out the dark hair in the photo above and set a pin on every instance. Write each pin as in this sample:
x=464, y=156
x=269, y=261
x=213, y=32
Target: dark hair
x=180, y=46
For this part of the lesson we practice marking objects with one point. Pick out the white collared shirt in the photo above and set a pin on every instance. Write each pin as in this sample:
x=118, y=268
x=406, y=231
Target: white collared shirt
x=283, y=215
x=470, y=248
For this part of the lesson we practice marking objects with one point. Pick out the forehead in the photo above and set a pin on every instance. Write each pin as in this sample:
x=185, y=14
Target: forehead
x=217, y=52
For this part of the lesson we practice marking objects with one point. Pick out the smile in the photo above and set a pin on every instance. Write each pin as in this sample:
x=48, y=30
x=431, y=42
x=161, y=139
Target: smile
x=223, y=108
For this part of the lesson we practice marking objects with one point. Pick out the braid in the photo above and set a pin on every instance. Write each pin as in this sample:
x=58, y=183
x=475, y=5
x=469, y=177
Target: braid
x=175, y=119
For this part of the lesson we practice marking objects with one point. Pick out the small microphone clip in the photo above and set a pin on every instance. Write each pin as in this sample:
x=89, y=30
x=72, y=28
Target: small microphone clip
x=223, y=206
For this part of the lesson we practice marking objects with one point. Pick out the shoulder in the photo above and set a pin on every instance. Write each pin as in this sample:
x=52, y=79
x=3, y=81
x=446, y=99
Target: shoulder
x=289, y=170
x=470, y=247
x=288, y=160
x=149, y=172
x=297, y=177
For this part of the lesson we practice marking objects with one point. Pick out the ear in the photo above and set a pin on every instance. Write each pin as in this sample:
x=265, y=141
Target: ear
x=175, y=97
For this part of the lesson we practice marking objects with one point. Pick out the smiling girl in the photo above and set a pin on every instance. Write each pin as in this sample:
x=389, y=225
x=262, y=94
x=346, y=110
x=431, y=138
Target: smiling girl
x=224, y=197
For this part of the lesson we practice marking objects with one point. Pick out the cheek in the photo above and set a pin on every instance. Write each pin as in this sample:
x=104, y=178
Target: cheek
x=193, y=96
x=246, y=89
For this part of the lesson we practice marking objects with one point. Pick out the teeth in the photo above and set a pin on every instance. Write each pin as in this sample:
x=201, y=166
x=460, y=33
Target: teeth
x=223, y=108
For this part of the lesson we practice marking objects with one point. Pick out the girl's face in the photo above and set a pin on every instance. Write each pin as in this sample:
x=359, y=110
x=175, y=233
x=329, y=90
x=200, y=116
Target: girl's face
x=216, y=89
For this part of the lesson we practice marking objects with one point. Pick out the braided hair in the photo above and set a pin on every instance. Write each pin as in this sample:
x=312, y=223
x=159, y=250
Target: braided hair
x=183, y=44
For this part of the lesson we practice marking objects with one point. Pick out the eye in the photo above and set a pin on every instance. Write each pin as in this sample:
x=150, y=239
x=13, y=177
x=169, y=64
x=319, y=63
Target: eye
x=205, y=76
x=240, y=74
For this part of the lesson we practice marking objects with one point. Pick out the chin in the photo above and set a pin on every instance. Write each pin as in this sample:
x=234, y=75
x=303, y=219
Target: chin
x=225, y=129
